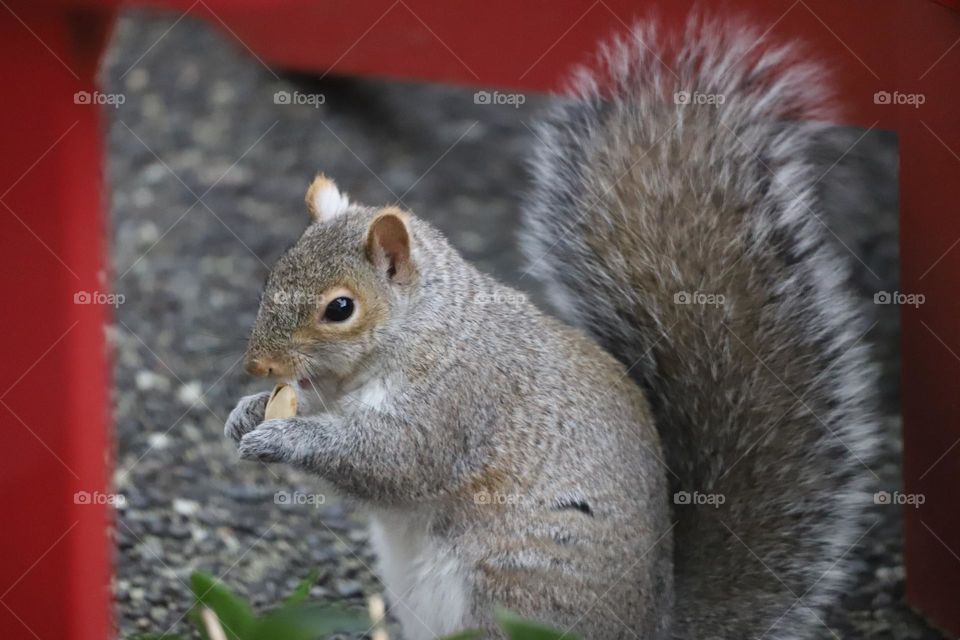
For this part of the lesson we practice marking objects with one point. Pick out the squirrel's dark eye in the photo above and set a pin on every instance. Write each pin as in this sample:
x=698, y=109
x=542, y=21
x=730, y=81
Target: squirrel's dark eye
x=339, y=309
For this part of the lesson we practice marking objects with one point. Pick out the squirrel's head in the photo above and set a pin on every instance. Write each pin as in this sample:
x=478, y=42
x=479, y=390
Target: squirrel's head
x=330, y=297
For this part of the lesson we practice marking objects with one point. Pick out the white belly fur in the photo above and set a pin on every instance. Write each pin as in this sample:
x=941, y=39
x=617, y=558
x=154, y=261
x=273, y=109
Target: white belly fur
x=425, y=583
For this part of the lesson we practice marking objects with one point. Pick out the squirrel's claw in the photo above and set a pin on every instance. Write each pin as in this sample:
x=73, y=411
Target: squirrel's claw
x=246, y=416
x=266, y=442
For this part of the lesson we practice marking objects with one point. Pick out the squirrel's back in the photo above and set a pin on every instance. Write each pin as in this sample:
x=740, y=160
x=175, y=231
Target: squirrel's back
x=674, y=219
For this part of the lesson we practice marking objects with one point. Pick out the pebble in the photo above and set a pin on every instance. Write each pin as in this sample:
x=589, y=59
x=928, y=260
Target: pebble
x=148, y=233
x=185, y=507
x=155, y=172
x=158, y=440
x=138, y=78
x=149, y=381
x=142, y=198
x=190, y=394
x=349, y=588
x=885, y=574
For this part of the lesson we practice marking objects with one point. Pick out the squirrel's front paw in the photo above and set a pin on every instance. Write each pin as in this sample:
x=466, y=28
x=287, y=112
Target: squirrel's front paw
x=246, y=415
x=269, y=442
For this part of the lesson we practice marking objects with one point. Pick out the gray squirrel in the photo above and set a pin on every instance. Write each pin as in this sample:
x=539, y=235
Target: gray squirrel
x=689, y=460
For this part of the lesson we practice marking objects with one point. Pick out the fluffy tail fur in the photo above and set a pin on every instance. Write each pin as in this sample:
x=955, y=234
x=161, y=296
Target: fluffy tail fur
x=673, y=218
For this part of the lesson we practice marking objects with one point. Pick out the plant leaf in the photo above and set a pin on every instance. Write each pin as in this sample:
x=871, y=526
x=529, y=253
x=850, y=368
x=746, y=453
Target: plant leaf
x=303, y=622
x=298, y=595
x=234, y=614
x=518, y=628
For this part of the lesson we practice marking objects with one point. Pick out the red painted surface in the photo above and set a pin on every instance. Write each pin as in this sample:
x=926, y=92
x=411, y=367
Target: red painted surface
x=930, y=264
x=54, y=554
x=896, y=45
x=531, y=45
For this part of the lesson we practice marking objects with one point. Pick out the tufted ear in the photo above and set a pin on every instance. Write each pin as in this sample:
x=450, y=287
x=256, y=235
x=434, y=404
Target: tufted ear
x=388, y=246
x=324, y=200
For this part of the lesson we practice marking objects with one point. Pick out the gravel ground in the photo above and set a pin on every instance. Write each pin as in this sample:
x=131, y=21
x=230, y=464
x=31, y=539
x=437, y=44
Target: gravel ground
x=208, y=175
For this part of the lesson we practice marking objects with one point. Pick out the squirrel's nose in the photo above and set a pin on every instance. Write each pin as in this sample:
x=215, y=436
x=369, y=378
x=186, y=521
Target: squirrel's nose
x=266, y=367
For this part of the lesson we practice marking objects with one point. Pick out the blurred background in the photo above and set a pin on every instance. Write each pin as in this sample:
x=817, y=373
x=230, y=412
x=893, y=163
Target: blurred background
x=210, y=153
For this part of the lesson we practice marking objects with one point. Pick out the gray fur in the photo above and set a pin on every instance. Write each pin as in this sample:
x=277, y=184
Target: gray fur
x=455, y=392
x=766, y=399
x=517, y=452
x=246, y=415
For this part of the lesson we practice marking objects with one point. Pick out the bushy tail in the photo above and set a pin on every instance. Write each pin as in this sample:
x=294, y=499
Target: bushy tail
x=673, y=218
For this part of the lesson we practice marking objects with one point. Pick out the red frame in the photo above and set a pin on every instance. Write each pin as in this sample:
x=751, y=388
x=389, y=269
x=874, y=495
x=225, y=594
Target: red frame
x=54, y=570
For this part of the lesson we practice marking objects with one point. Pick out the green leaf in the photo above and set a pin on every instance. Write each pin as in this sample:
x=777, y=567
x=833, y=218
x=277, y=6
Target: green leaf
x=470, y=634
x=234, y=614
x=518, y=628
x=298, y=595
x=300, y=622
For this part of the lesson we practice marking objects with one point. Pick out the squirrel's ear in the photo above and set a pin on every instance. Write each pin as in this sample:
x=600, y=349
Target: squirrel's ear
x=324, y=200
x=388, y=245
